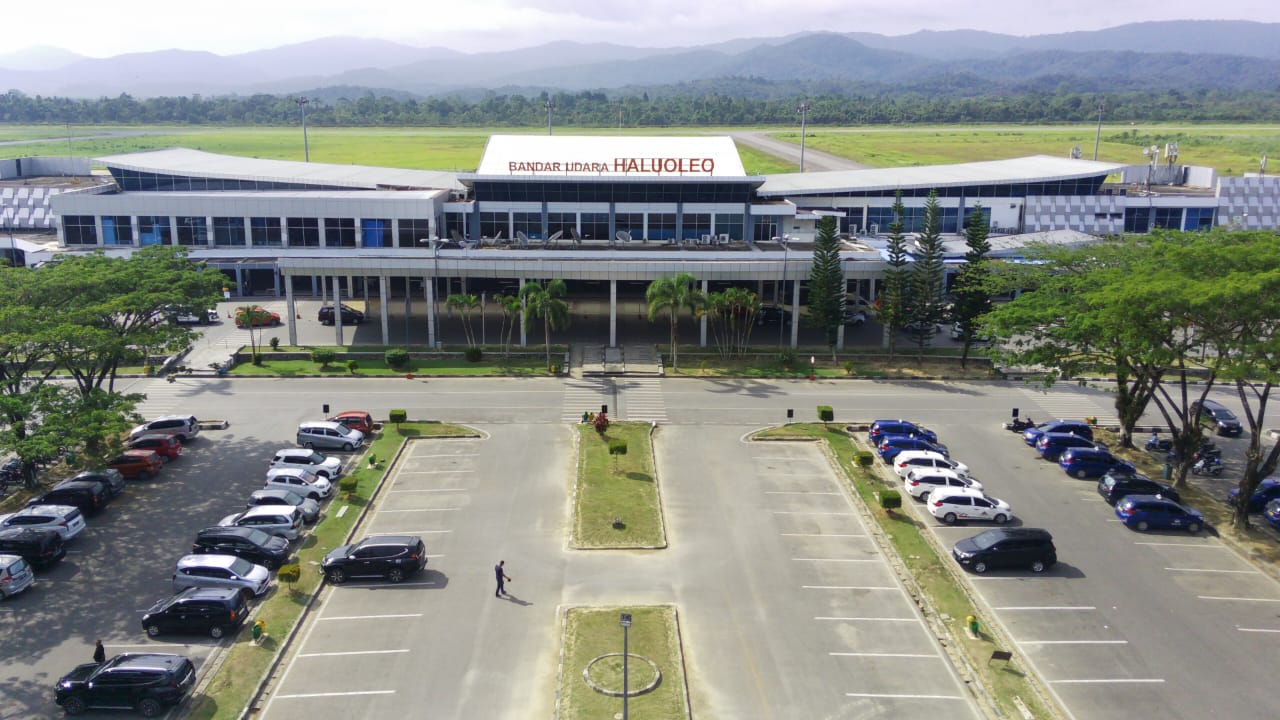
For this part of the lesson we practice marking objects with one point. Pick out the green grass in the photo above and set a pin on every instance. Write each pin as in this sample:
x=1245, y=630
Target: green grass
x=1231, y=149
x=766, y=364
x=246, y=662
x=758, y=162
x=628, y=490
x=936, y=576
x=592, y=632
x=378, y=368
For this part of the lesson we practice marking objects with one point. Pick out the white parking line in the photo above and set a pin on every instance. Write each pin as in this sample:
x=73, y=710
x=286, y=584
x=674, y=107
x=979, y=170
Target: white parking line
x=798, y=492
x=446, y=455
x=838, y=535
x=428, y=491
x=419, y=532
x=904, y=697
x=846, y=587
x=432, y=472
x=1072, y=642
x=842, y=560
x=1107, y=681
x=354, y=652
x=418, y=510
x=1259, y=630
x=868, y=619
x=1240, y=599
x=371, y=617
x=1190, y=545
x=1046, y=607
x=885, y=655
x=383, y=585
x=1209, y=570
x=808, y=512
x=335, y=694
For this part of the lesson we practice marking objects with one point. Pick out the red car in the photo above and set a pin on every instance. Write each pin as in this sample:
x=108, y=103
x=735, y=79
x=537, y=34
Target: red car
x=137, y=464
x=257, y=316
x=168, y=447
x=356, y=420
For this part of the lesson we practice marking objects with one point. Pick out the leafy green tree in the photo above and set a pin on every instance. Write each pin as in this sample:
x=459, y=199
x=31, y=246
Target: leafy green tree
x=544, y=301
x=673, y=294
x=510, y=307
x=732, y=316
x=465, y=304
x=895, y=295
x=826, y=284
x=972, y=297
x=928, y=274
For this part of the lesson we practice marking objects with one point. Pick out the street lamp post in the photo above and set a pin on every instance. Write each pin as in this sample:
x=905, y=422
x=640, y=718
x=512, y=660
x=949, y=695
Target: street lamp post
x=804, y=113
x=625, y=622
x=782, y=289
x=550, y=106
x=306, y=148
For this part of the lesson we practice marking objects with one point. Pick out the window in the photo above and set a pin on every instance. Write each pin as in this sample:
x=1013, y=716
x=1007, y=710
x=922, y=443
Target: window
x=192, y=231
x=561, y=223
x=79, y=230
x=265, y=232
x=695, y=225
x=228, y=231
x=1137, y=220
x=117, y=230
x=452, y=221
x=1198, y=219
x=413, y=230
x=303, y=232
x=595, y=225
x=340, y=232
x=730, y=225
x=765, y=228
x=1168, y=219
x=627, y=222
x=154, y=230
x=375, y=232
x=492, y=223
x=662, y=226
x=528, y=223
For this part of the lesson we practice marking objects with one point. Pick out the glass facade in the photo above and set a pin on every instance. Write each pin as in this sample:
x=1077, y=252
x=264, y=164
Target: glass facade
x=117, y=230
x=1137, y=219
x=662, y=226
x=265, y=232
x=154, y=230
x=340, y=232
x=765, y=228
x=913, y=218
x=411, y=231
x=192, y=231
x=1199, y=219
x=492, y=223
x=656, y=191
x=561, y=223
x=694, y=225
x=79, y=229
x=375, y=232
x=303, y=232
x=1077, y=186
x=136, y=181
x=528, y=223
x=730, y=225
x=632, y=223
x=1167, y=219
x=595, y=225
x=228, y=231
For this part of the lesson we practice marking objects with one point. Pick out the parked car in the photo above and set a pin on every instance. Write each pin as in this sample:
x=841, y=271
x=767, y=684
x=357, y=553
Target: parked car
x=146, y=682
x=891, y=445
x=1007, y=548
x=1217, y=416
x=204, y=611
x=772, y=315
x=16, y=575
x=88, y=495
x=67, y=520
x=140, y=465
x=168, y=447
x=921, y=327
x=957, y=334
x=952, y=505
x=1052, y=445
x=919, y=483
x=1091, y=462
x=187, y=316
x=309, y=508
x=42, y=547
x=350, y=315
x=1154, y=512
x=299, y=480
x=257, y=546
x=282, y=520
x=111, y=478
x=880, y=428
x=1267, y=490
x=854, y=317
x=185, y=427
x=1113, y=487
x=394, y=557
x=356, y=420
x=329, y=435
x=1075, y=427
x=257, y=317
x=1272, y=514
x=329, y=468
x=220, y=571
x=908, y=460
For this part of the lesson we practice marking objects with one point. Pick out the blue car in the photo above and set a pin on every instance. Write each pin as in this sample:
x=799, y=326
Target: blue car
x=1267, y=491
x=1272, y=513
x=1152, y=512
x=1052, y=445
x=899, y=427
x=1085, y=462
x=1075, y=427
x=890, y=445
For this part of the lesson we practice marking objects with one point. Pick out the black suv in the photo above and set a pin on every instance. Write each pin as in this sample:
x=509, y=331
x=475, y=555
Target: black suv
x=88, y=495
x=1218, y=417
x=394, y=557
x=211, y=611
x=146, y=682
x=256, y=546
x=1114, y=486
x=1007, y=548
x=111, y=478
x=40, y=547
x=350, y=315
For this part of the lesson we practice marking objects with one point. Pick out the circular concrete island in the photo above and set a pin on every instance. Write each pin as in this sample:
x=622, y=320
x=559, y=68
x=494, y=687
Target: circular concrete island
x=604, y=675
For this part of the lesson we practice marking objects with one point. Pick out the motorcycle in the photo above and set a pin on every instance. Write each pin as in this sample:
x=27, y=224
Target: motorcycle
x=1157, y=444
x=1020, y=425
x=1207, y=465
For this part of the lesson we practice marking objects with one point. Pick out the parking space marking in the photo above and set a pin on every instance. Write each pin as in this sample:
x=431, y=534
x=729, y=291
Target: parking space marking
x=1106, y=681
x=839, y=560
x=1239, y=599
x=431, y=472
x=371, y=617
x=933, y=656
x=419, y=532
x=893, y=696
x=1190, y=545
x=354, y=652
x=808, y=512
x=335, y=694
x=1259, y=630
x=1046, y=607
x=869, y=619
x=417, y=510
x=799, y=492
x=416, y=456
x=1072, y=642
x=846, y=587
x=1209, y=570
x=435, y=490
x=834, y=535
x=383, y=585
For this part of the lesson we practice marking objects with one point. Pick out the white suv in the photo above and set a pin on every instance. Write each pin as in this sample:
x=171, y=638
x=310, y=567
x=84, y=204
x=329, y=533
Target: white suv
x=953, y=505
x=908, y=460
x=282, y=520
x=299, y=480
x=66, y=519
x=220, y=571
x=307, y=459
x=922, y=481
x=183, y=427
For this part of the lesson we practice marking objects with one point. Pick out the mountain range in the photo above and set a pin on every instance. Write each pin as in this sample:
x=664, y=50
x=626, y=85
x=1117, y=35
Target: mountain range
x=1176, y=55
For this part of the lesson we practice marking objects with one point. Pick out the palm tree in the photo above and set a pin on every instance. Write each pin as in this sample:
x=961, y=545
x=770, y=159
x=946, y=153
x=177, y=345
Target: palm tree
x=544, y=302
x=465, y=304
x=246, y=312
x=674, y=294
x=510, y=307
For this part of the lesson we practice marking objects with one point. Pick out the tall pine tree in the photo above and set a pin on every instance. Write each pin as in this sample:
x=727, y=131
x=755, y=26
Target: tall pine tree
x=826, y=284
x=894, y=308
x=928, y=276
x=972, y=296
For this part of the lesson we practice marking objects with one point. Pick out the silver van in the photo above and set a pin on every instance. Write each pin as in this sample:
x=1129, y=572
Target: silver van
x=329, y=435
x=15, y=575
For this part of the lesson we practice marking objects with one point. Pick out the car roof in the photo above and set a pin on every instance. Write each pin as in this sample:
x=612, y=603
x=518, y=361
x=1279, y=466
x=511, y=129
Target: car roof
x=390, y=540
x=207, y=560
x=949, y=492
x=207, y=593
x=292, y=472
x=321, y=424
x=78, y=483
x=913, y=454
x=1019, y=532
x=161, y=437
x=925, y=471
x=148, y=661
x=274, y=492
x=226, y=530
x=50, y=509
x=191, y=418
x=1153, y=498
x=353, y=413
x=255, y=510
x=12, y=533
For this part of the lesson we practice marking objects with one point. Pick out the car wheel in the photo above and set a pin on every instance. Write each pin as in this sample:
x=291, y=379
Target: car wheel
x=1001, y=519
x=979, y=567
x=144, y=476
x=1038, y=566
x=1193, y=528
x=337, y=576
x=73, y=706
x=949, y=518
x=216, y=632
x=347, y=447
x=308, y=445
x=395, y=575
x=1082, y=474
x=1143, y=525
x=923, y=497
x=153, y=631
x=149, y=707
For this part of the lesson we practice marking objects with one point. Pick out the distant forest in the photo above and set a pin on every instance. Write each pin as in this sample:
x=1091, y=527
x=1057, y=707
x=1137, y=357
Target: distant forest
x=596, y=109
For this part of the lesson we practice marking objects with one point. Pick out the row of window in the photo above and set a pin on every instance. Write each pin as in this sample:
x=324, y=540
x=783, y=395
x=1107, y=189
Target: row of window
x=659, y=227
x=1080, y=186
x=623, y=192
x=231, y=231
x=134, y=181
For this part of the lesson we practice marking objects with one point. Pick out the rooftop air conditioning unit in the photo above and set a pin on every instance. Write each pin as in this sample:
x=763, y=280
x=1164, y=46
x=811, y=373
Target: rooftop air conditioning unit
x=875, y=230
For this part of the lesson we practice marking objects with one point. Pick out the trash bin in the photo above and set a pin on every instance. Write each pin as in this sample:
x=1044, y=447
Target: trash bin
x=1168, y=471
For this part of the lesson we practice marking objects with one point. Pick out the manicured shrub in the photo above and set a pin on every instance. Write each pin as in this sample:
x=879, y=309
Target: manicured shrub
x=398, y=416
x=349, y=484
x=274, y=342
x=864, y=458
x=352, y=366
x=289, y=573
x=601, y=422
x=825, y=413
x=324, y=356
x=396, y=357
x=890, y=500
x=473, y=354
x=617, y=448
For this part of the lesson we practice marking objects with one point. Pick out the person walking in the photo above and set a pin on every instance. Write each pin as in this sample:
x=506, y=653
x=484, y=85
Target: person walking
x=501, y=577
x=99, y=652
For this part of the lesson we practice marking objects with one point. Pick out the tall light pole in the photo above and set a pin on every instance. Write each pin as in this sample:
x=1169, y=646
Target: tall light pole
x=550, y=106
x=1102, y=104
x=306, y=149
x=803, y=109
x=625, y=622
x=782, y=289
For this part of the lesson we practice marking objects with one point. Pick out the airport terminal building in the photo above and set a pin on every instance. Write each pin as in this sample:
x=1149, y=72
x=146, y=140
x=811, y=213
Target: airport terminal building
x=614, y=212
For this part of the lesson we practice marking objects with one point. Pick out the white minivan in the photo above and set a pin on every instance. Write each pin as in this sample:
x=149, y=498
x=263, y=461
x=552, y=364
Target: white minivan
x=15, y=575
x=909, y=460
x=329, y=435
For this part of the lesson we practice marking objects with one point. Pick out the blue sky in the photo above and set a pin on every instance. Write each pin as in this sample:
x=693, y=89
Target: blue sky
x=97, y=28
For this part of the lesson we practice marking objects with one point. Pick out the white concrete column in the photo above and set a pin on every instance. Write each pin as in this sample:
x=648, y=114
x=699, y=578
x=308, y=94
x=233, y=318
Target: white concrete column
x=795, y=314
x=430, y=286
x=320, y=224
x=248, y=232
x=351, y=288
x=382, y=307
x=395, y=232
x=134, y=225
x=703, y=321
x=284, y=232
x=293, y=312
x=359, y=234
x=840, y=337
x=613, y=313
x=97, y=225
x=337, y=313
x=173, y=229
x=208, y=230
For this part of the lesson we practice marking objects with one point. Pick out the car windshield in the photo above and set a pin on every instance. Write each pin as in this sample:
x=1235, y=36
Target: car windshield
x=315, y=458
x=257, y=537
x=986, y=539
x=241, y=567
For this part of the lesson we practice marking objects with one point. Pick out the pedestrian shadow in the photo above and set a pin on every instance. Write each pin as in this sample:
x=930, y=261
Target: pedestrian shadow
x=513, y=599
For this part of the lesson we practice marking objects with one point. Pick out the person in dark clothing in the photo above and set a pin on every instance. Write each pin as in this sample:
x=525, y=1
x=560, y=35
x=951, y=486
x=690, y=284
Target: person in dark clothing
x=501, y=577
x=99, y=652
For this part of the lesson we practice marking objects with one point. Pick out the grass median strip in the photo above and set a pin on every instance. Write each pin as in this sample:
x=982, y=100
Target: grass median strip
x=246, y=662
x=592, y=656
x=616, y=499
x=1007, y=685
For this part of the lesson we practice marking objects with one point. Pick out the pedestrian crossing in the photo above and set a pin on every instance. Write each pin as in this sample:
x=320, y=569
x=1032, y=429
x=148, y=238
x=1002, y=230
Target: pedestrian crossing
x=163, y=397
x=641, y=399
x=1047, y=404
x=586, y=395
